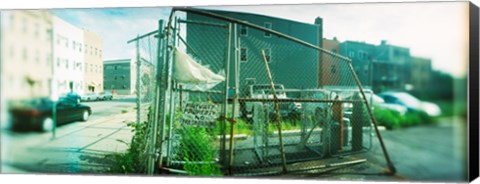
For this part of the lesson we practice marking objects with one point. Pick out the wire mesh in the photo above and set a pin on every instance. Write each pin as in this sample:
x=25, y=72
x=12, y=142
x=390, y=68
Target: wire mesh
x=144, y=68
x=311, y=109
x=198, y=120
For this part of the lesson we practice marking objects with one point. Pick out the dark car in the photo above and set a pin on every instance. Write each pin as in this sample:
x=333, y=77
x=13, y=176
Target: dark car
x=36, y=114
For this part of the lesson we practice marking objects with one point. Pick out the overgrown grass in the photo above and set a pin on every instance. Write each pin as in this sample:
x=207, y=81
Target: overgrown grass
x=199, y=152
x=393, y=120
x=130, y=162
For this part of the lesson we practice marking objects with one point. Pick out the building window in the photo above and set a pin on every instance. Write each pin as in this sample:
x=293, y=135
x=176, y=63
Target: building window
x=116, y=67
x=267, y=25
x=12, y=51
x=351, y=54
x=48, y=59
x=24, y=25
x=243, y=30
x=24, y=54
x=243, y=54
x=333, y=69
x=80, y=47
x=268, y=55
x=66, y=63
x=58, y=62
x=58, y=39
x=37, y=56
x=74, y=45
x=66, y=42
x=86, y=48
x=12, y=21
x=37, y=30
x=96, y=51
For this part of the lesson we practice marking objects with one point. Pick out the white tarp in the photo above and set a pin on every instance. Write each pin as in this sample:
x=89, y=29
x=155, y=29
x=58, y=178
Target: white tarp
x=193, y=76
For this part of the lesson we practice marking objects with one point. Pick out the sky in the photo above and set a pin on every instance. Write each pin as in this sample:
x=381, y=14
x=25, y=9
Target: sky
x=432, y=30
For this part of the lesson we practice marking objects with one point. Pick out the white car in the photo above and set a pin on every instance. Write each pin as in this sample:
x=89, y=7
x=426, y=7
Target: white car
x=90, y=97
x=411, y=103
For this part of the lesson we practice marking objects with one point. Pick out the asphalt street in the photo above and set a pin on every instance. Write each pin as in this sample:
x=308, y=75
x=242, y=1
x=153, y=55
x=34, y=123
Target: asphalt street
x=75, y=146
x=426, y=153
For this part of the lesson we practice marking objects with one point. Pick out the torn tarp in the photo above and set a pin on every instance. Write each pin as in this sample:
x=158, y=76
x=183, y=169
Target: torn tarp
x=193, y=76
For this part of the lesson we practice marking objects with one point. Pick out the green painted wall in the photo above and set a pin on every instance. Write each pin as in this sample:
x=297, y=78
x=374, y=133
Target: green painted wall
x=292, y=64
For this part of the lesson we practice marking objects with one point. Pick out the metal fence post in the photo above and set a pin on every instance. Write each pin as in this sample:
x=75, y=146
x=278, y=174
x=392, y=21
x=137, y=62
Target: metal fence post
x=137, y=84
x=152, y=151
x=225, y=105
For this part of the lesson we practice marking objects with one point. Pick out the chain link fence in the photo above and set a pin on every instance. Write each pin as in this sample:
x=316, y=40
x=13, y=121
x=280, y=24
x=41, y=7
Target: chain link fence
x=238, y=97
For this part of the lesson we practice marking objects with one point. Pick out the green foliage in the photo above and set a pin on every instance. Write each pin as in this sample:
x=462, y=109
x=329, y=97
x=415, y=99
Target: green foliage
x=286, y=125
x=199, y=152
x=241, y=127
x=389, y=119
x=393, y=120
x=130, y=162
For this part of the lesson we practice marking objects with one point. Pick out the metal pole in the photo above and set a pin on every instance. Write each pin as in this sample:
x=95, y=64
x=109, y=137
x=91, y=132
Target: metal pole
x=164, y=84
x=225, y=105
x=137, y=45
x=235, y=98
x=277, y=110
x=374, y=121
x=172, y=94
x=152, y=155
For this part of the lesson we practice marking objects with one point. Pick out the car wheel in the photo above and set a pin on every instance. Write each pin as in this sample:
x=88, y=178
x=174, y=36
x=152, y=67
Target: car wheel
x=85, y=115
x=47, y=124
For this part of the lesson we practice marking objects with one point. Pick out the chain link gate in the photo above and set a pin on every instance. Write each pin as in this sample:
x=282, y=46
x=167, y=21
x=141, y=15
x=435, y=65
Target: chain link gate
x=283, y=105
x=147, y=61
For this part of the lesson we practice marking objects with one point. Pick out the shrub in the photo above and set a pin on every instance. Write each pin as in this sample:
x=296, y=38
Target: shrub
x=392, y=120
x=197, y=147
x=131, y=161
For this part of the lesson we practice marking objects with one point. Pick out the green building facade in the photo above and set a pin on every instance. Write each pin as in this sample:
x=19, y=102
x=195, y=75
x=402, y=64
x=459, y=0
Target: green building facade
x=288, y=60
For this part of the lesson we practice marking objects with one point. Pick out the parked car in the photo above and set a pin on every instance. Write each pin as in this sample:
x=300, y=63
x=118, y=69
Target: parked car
x=36, y=114
x=378, y=102
x=92, y=96
x=72, y=96
x=411, y=103
x=105, y=95
x=263, y=91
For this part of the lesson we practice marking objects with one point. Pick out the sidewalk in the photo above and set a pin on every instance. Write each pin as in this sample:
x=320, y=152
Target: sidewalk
x=76, y=149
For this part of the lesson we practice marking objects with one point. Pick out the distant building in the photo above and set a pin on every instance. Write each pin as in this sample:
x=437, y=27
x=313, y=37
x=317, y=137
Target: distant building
x=288, y=60
x=93, y=70
x=391, y=66
x=26, y=59
x=380, y=67
x=329, y=69
x=69, y=58
x=421, y=72
x=362, y=55
x=120, y=75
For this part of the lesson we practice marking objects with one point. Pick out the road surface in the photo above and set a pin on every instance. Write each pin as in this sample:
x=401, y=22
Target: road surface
x=75, y=146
